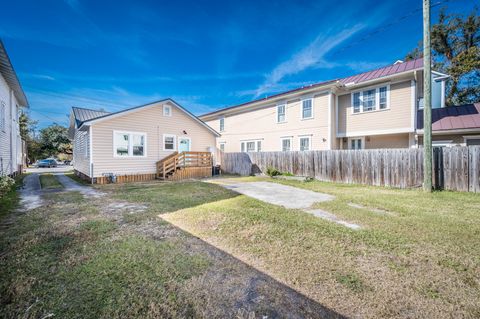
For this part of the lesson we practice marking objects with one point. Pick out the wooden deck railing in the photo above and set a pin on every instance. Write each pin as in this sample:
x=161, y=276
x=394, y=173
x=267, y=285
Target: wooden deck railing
x=170, y=164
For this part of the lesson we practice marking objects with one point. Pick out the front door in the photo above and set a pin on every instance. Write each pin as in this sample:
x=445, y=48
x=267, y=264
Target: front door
x=183, y=144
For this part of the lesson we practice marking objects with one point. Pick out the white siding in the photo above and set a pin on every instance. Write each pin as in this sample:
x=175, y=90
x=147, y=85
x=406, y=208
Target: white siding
x=10, y=141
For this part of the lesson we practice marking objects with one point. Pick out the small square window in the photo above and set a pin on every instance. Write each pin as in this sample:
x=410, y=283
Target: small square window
x=169, y=142
x=167, y=110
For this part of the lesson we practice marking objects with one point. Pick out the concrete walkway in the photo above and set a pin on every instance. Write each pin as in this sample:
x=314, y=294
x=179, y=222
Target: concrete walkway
x=286, y=196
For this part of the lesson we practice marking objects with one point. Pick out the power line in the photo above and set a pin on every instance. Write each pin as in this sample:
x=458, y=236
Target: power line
x=388, y=25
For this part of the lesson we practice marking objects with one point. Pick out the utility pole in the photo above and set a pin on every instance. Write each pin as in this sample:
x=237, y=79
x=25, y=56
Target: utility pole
x=427, y=100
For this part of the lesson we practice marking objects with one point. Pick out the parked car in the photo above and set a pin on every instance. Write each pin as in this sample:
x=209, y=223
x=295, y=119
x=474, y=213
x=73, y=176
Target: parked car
x=47, y=163
x=67, y=162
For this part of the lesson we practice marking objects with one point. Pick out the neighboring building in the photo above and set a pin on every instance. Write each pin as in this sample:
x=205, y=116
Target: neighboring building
x=453, y=126
x=132, y=141
x=375, y=109
x=12, y=99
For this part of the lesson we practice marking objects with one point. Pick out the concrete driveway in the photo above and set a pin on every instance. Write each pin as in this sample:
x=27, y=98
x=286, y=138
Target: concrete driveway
x=286, y=196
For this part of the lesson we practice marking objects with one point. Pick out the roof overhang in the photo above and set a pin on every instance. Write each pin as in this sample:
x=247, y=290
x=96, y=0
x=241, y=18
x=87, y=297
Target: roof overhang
x=314, y=89
x=143, y=107
x=455, y=131
x=8, y=73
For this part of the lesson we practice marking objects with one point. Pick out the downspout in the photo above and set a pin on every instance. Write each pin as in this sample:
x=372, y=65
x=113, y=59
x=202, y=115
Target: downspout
x=11, y=131
x=90, y=131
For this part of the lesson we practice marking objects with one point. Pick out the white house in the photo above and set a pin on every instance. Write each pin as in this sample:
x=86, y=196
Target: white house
x=12, y=98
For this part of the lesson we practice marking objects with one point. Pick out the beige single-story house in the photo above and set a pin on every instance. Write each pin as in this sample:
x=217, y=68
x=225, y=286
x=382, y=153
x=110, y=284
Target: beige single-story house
x=133, y=144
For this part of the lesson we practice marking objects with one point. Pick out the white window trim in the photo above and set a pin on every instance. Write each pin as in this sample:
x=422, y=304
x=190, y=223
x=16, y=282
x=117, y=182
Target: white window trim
x=130, y=145
x=166, y=106
x=220, y=129
x=349, y=143
x=220, y=146
x=290, y=138
x=276, y=112
x=309, y=137
x=377, y=99
x=255, y=141
x=470, y=137
x=183, y=138
x=174, y=142
x=442, y=143
x=301, y=109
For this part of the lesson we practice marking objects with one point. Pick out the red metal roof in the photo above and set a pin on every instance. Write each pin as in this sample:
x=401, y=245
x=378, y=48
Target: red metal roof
x=453, y=118
x=385, y=71
x=358, y=78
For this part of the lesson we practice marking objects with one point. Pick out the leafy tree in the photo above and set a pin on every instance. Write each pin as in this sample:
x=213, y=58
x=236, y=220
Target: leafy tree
x=455, y=51
x=54, y=140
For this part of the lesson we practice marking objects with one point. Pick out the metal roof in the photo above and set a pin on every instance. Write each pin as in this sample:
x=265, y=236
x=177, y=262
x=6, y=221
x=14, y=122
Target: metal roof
x=88, y=116
x=8, y=73
x=453, y=118
x=389, y=70
x=82, y=114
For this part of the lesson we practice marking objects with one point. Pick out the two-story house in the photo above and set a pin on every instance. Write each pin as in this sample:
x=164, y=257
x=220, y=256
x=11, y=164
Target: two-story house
x=375, y=109
x=12, y=98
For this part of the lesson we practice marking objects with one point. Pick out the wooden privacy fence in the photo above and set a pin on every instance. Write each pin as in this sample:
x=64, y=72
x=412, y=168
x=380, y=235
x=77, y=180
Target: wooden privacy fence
x=456, y=168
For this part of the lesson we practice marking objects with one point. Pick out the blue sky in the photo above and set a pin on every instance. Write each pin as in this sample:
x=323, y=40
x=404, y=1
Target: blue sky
x=204, y=54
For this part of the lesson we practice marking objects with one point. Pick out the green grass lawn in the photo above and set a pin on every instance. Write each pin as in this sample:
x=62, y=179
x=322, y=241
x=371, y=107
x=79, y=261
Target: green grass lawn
x=123, y=255
x=77, y=179
x=49, y=181
x=418, y=255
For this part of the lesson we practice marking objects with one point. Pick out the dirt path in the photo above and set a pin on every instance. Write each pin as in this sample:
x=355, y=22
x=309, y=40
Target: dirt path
x=30, y=193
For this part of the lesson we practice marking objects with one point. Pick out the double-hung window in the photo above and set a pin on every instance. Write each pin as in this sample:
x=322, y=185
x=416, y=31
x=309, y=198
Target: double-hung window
x=281, y=113
x=222, y=147
x=169, y=142
x=286, y=144
x=251, y=146
x=305, y=143
x=371, y=99
x=222, y=124
x=307, y=109
x=382, y=101
x=128, y=144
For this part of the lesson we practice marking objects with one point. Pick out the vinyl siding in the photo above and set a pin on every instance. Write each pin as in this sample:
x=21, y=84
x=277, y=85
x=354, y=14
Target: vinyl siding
x=261, y=124
x=397, y=117
x=151, y=121
x=10, y=140
x=387, y=141
x=81, y=162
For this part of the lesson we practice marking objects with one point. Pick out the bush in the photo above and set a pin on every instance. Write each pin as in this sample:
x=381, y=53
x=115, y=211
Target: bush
x=273, y=172
x=6, y=184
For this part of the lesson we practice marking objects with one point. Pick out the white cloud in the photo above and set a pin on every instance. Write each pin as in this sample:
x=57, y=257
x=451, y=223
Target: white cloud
x=310, y=56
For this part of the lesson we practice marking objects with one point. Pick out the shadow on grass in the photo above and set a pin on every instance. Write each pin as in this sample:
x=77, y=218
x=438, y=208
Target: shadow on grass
x=230, y=285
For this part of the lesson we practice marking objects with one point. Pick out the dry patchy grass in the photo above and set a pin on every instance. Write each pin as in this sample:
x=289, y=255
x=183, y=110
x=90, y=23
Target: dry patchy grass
x=420, y=259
